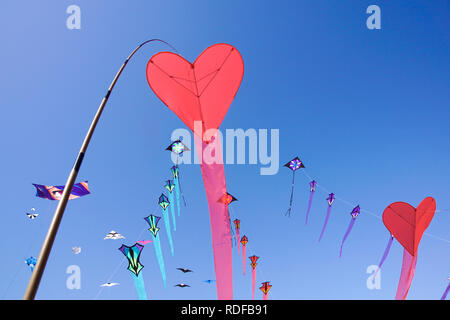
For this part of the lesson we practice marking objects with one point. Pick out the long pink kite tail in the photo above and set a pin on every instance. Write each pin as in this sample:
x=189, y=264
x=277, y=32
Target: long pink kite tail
x=265, y=296
x=407, y=275
x=243, y=256
x=253, y=282
x=200, y=94
x=215, y=186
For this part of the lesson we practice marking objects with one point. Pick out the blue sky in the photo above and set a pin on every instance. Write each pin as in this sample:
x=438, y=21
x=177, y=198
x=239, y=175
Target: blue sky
x=366, y=110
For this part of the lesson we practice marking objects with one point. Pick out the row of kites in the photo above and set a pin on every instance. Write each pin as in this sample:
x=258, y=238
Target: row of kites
x=200, y=94
x=403, y=221
x=133, y=253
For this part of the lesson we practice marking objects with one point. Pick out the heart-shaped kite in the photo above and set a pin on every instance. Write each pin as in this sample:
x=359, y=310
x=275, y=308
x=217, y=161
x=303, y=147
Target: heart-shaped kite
x=200, y=94
x=407, y=224
x=199, y=91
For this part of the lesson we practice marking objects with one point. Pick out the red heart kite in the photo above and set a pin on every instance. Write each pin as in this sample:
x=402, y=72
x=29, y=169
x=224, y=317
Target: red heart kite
x=200, y=94
x=407, y=224
x=200, y=91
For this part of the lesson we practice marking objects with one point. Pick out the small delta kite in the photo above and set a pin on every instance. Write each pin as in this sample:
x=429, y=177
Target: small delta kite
x=134, y=265
x=294, y=165
x=163, y=202
x=154, y=229
x=109, y=284
x=32, y=215
x=113, y=236
x=312, y=189
x=244, y=241
x=144, y=242
x=170, y=187
x=253, y=263
x=265, y=288
x=31, y=262
x=355, y=213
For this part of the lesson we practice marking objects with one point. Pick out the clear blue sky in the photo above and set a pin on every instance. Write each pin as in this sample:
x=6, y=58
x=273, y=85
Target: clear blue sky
x=366, y=110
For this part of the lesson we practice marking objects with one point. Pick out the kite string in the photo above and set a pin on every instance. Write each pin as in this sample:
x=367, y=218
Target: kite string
x=13, y=279
x=288, y=212
x=370, y=212
x=258, y=270
x=179, y=183
x=28, y=252
x=109, y=278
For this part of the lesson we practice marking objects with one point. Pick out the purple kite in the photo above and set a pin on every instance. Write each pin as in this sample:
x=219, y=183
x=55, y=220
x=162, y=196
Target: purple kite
x=55, y=192
x=294, y=165
x=355, y=213
x=330, y=200
x=312, y=189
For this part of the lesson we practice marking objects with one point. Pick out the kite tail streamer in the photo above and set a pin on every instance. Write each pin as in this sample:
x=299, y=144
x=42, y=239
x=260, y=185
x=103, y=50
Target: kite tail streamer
x=444, y=296
x=140, y=286
x=309, y=206
x=167, y=224
x=177, y=191
x=159, y=257
x=350, y=226
x=243, y=257
x=325, y=223
x=253, y=282
x=172, y=210
x=385, y=254
x=407, y=275
x=265, y=296
x=215, y=187
x=288, y=212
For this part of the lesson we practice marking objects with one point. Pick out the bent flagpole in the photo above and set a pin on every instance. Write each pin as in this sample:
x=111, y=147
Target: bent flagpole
x=36, y=276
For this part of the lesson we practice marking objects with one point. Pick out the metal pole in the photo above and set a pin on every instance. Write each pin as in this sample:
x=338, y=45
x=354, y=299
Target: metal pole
x=36, y=275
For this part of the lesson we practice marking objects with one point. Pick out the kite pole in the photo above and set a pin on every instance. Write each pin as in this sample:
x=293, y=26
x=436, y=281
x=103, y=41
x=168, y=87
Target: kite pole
x=36, y=275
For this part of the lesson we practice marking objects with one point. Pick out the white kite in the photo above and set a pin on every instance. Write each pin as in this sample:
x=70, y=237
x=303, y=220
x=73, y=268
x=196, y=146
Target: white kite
x=114, y=235
x=32, y=215
x=109, y=284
